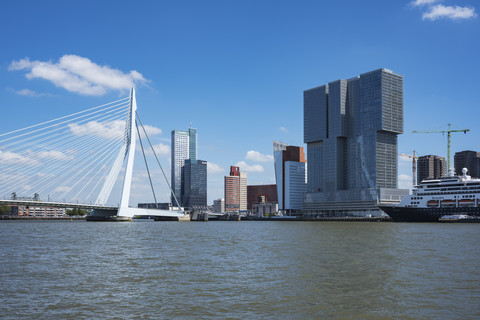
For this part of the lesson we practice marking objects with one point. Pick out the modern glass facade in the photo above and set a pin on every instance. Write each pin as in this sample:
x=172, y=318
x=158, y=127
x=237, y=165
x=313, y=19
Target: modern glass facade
x=351, y=128
x=295, y=185
x=194, y=183
x=192, y=144
x=184, y=146
x=290, y=176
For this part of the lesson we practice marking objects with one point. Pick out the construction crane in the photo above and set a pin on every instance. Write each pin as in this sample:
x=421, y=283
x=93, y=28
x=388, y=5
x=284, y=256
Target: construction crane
x=450, y=169
x=414, y=166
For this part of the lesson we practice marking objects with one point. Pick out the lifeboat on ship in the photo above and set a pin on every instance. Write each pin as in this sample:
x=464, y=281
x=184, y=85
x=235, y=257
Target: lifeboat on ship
x=432, y=203
x=448, y=203
x=466, y=202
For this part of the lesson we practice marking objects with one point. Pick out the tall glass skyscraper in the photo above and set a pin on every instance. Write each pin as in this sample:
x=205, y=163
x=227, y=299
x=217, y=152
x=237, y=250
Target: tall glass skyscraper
x=194, y=183
x=184, y=146
x=351, y=128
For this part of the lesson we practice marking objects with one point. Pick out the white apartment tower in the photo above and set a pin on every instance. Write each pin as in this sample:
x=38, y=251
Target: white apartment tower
x=243, y=191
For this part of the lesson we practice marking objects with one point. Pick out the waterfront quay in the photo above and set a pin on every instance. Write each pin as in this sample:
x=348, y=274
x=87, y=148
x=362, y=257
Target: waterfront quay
x=204, y=217
x=225, y=217
x=27, y=218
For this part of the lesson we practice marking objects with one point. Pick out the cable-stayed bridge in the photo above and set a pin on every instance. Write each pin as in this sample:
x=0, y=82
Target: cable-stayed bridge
x=75, y=161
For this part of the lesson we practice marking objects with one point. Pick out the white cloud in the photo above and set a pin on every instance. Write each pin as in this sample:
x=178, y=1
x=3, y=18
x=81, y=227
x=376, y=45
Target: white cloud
x=257, y=156
x=28, y=93
x=79, y=75
x=283, y=129
x=403, y=160
x=404, y=181
x=110, y=130
x=440, y=11
x=161, y=149
x=249, y=168
x=63, y=189
x=214, y=168
x=54, y=155
x=417, y=3
x=151, y=130
x=8, y=156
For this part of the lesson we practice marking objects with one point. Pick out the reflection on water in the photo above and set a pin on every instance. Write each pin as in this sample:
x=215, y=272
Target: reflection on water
x=243, y=270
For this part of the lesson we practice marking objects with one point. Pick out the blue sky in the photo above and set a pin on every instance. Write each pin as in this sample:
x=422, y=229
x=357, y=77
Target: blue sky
x=237, y=70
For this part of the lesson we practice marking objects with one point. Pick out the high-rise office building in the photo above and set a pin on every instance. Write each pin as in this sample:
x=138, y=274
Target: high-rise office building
x=236, y=190
x=468, y=159
x=290, y=175
x=351, y=128
x=432, y=167
x=232, y=190
x=194, y=184
x=184, y=146
x=192, y=144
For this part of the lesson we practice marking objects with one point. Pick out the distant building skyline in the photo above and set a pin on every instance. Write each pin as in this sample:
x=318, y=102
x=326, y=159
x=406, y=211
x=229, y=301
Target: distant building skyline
x=180, y=78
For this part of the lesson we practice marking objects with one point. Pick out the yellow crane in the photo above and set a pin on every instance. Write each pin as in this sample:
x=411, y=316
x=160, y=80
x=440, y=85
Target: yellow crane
x=414, y=166
x=450, y=169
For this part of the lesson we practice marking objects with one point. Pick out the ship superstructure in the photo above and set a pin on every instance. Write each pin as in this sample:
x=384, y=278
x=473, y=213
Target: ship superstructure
x=434, y=198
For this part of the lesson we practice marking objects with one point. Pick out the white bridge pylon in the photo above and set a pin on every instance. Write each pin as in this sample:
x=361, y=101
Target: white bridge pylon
x=127, y=151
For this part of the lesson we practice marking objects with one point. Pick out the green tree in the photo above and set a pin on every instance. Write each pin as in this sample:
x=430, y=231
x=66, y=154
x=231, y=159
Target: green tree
x=75, y=212
x=4, y=209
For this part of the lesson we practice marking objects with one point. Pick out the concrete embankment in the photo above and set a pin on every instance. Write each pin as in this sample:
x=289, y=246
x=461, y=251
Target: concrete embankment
x=364, y=219
x=313, y=218
x=43, y=218
x=227, y=217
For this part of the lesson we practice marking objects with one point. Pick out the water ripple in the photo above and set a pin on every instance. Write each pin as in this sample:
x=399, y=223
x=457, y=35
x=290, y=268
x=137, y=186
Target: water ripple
x=239, y=270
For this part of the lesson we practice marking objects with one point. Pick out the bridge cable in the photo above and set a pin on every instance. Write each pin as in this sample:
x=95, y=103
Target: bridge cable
x=158, y=161
x=146, y=164
x=92, y=153
x=69, y=146
x=39, y=124
x=50, y=126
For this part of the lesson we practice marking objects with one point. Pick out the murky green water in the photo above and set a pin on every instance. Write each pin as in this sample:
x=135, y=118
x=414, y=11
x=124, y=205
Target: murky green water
x=239, y=270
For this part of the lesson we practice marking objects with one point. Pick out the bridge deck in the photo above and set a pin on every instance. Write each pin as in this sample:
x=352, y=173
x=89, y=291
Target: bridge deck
x=56, y=204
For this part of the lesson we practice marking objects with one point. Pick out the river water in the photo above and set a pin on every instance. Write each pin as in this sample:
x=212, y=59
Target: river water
x=239, y=270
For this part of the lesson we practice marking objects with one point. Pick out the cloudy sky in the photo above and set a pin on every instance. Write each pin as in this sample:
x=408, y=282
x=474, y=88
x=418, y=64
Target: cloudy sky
x=237, y=70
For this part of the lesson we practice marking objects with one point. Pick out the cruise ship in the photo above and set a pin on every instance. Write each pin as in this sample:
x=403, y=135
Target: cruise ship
x=432, y=199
